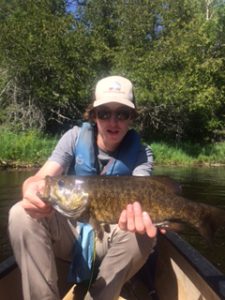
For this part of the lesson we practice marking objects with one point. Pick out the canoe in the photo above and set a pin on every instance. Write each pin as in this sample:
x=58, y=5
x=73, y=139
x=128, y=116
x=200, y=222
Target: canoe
x=181, y=273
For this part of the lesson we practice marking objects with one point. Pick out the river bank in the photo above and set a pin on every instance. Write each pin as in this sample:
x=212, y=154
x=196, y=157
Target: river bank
x=4, y=165
x=31, y=149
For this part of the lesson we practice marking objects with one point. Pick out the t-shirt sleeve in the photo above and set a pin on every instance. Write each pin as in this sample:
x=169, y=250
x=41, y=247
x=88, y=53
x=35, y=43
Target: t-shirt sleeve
x=144, y=163
x=64, y=150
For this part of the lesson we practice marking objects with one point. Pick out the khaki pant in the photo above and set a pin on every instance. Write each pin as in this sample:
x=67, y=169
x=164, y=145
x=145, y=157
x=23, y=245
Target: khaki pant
x=36, y=243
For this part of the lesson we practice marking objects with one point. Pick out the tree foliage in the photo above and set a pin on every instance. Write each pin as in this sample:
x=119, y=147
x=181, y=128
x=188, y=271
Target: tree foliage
x=46, y=54
x=173, y=51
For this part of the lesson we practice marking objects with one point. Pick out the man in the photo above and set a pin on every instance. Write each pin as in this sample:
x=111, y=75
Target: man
x=103, y=146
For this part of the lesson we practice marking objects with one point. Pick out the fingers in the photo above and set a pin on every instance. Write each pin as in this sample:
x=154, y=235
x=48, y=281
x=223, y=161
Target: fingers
x=135, y=220
x=36, y=205
x=33, y=205
x=36, y=210
x=149, y=227
x=123, y=220
x=33, y=201
x=163, y=231
x=130, y=218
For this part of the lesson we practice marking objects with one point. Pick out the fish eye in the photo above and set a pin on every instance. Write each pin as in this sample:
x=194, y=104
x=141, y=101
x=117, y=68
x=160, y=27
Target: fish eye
x=61, y=183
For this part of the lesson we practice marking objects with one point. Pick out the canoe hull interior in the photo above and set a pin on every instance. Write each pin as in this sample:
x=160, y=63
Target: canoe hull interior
x=10, y=283
x=181, y=274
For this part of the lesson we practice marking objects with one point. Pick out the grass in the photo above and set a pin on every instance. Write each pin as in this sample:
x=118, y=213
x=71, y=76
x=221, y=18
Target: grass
x=189, y=154
x=33, y=148
x=28, y=148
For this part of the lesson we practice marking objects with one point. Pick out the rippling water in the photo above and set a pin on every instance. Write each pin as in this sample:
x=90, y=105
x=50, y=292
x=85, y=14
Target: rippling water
x=199, y=184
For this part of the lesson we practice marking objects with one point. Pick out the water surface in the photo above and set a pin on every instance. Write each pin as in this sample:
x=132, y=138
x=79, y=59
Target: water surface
x=10, y=193
x=204, y=185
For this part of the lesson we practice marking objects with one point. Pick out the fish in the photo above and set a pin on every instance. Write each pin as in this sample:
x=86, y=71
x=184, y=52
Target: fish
x=100, y=200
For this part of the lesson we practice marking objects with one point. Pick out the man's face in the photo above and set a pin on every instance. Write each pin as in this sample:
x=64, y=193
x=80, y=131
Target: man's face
x=113, y=121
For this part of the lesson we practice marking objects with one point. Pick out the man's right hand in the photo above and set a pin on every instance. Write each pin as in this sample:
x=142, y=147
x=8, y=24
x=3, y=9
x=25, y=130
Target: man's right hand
x=33, y=205
x=33, y=185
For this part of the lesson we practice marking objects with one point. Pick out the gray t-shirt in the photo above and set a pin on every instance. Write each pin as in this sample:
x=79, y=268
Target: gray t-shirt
x=64, y=154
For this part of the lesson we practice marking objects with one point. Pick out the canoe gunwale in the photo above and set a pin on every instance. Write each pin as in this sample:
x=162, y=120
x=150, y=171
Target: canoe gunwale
x=214, y=278
x=7, y=266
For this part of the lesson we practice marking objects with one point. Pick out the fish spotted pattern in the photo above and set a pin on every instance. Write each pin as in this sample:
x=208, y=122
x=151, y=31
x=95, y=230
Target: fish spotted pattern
x=101, y=199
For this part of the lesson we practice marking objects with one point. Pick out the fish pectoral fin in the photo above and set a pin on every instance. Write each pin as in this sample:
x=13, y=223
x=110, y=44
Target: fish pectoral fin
x=97, y=227
x=106, y=227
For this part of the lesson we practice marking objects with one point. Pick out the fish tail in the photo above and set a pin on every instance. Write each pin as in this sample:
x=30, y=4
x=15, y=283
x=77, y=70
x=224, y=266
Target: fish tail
x=214, y=219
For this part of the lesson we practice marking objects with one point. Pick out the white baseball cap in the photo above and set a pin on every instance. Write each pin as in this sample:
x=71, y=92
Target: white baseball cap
x=114, y=89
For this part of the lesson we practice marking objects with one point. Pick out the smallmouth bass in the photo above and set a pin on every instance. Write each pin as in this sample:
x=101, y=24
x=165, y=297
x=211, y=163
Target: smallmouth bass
x=101, y=199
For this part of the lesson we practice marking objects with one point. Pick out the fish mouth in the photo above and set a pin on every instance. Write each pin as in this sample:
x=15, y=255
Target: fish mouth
x=74, y=213
x=71, y=201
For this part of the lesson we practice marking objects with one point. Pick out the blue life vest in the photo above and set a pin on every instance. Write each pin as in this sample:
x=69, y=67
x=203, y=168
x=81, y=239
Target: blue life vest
x=83, y=254
x=86, y=154
x=86, y=163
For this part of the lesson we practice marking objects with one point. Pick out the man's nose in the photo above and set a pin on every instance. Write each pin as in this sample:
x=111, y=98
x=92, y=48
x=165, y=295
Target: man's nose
x=113, y=118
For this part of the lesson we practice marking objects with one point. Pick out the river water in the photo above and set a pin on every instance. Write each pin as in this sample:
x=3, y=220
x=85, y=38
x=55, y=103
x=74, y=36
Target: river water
x=199, y=184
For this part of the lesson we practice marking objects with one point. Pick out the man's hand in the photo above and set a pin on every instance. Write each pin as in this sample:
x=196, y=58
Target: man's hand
x=33, y=205
x=135, y=220
x=33, y=185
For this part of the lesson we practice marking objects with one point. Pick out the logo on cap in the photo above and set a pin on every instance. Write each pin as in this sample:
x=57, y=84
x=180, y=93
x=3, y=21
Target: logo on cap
x=115, y=86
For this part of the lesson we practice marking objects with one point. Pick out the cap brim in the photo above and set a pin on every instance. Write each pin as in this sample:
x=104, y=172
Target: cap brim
x=121, y=101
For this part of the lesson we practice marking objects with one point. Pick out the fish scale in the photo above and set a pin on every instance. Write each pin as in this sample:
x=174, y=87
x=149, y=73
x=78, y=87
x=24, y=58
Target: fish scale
x=101, y=199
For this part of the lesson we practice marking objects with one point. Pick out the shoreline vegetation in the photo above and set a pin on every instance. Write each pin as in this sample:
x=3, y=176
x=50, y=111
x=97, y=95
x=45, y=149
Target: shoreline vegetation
x=31, y=149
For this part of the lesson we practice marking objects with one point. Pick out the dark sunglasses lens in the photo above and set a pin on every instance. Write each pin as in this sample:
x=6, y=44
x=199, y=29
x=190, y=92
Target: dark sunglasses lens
x=104, y=114
x=123, y=115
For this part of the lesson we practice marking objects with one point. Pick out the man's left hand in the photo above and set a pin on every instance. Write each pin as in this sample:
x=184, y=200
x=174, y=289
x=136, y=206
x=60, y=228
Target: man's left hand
x=135, y=220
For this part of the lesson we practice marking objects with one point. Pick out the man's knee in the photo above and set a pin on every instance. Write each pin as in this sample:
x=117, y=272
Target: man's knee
x=20, y=224
x=17, y=215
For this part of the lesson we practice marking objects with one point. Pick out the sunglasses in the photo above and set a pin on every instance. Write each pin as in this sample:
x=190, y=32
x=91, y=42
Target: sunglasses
x=119, y=114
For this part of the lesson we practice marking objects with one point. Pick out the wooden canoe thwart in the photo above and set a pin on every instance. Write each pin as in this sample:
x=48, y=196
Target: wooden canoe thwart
x=182, y=273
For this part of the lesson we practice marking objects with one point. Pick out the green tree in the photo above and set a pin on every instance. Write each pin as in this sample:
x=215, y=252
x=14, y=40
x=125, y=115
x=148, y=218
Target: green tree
x=47, y=54
x=173, y=51
x=170, y=52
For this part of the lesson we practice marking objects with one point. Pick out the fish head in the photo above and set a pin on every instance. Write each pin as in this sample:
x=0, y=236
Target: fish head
x=67, y=197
